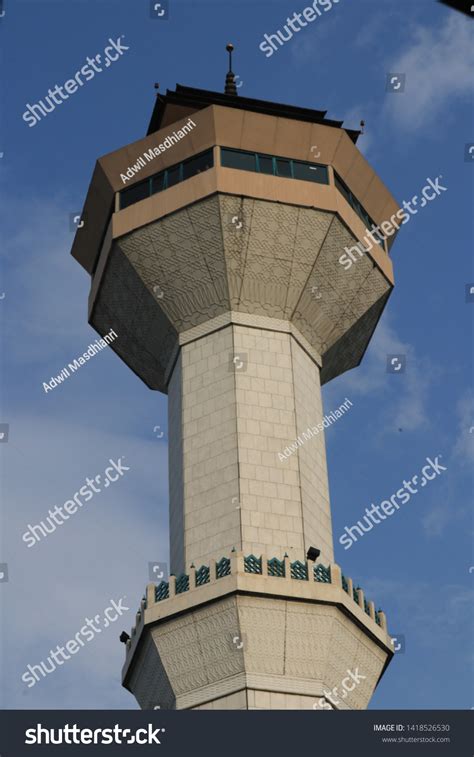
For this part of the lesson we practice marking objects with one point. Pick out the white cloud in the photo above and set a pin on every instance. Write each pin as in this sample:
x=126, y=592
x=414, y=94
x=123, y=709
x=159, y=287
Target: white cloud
x=438, y=65
x=46, y=289
x=464, y=447
x=101, y=553
x=407, y=409
x=447, y=610
x=55, y=442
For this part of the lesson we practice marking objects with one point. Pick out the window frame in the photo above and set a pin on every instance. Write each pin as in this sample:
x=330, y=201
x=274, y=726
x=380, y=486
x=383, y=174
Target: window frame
x=274, y=159
x=165, y=172
x=354, y=202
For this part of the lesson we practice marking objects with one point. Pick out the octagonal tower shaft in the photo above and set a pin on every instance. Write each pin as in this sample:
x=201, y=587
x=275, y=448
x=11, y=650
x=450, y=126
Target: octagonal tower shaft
x=246, y=470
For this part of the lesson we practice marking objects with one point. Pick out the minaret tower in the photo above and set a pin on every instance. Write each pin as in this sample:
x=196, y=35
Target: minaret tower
x=214, y=248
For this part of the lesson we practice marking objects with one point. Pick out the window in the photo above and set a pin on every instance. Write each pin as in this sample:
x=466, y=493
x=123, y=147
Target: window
x=198, y=164
x=157, y=182
x=134, y=194
x=265, y=164
x=309, y=172
x=173, y=176
x=274, y=165
x=343, y=188
x=357, y=207
x=168, y=178
x=238, y=159
x=283, y=167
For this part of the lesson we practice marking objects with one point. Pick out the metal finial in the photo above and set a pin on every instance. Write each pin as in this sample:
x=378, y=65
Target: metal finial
x=230, y=48
x=362, y=125
x=230, y=88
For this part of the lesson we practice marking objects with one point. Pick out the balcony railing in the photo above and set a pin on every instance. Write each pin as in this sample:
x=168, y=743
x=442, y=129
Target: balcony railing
x=251, y=564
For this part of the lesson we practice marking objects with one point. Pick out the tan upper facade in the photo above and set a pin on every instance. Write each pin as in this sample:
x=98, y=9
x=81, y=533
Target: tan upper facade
x=229, y=127
x=181, y=241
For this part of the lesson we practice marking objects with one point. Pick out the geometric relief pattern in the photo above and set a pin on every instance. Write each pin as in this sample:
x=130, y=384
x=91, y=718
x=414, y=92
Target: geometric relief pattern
x=146, y=339
x=348, y=351
x=289, y=646
x=228, y=252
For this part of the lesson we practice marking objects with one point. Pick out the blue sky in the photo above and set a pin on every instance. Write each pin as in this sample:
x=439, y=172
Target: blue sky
x=416, y=565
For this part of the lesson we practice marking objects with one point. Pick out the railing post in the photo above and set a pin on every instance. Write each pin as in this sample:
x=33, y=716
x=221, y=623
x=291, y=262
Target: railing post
x=172, y=586
x=350, y=588
x=264, y=560
x=336, y=575
x=383, y=620
x=237, y=562
x=150, y=595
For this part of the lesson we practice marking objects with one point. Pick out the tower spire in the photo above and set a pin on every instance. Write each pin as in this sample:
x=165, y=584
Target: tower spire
x=230, y=87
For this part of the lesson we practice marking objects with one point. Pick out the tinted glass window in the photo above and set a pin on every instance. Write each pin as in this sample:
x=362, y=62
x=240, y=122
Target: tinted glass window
x=243, y=160
x=366, y=218
x=172, y=176
x=157, y=182
x=198, y=164
x=308, y=172
x=357, y=207
x=379, y=238
x=343, y=189
x=283, y=167
x=265, y=164
x=134, y=194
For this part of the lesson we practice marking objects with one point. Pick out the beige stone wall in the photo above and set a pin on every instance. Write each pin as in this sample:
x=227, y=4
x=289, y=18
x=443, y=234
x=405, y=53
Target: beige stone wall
x=255, y=699
x=251, y=699
x=235, y=420
x=311, y=456
x=215, y=654
x=236, y=701
x=175, y=469
x=210, y=460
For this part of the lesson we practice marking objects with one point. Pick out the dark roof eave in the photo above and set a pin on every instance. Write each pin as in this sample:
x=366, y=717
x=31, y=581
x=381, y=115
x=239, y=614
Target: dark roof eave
x=201, y=98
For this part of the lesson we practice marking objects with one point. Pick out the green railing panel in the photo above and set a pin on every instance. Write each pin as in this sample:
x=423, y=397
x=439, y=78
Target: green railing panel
x=253, y=564
x=182, y=583
x=322, y=574
x=223, y=567
x=162, y=591
x=276, y=567
x=299, y=570
x=203, y=575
